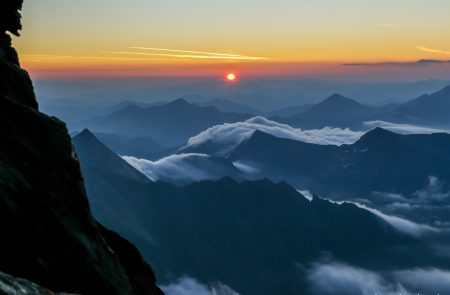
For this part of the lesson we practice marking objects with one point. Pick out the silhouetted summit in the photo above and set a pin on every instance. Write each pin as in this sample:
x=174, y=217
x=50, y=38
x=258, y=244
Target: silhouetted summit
x=15, y=83
x=10, y=16
x=100, y=155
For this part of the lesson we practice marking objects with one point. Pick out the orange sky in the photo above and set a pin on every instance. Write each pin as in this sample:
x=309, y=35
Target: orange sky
x=197, y=37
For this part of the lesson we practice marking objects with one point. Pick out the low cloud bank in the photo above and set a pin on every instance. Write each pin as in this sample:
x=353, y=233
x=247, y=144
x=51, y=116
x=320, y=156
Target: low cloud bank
x=230, y=135
x=403, y=128
x=338, y=278
x=183, y=167
x=399, y=223
x=189, y=286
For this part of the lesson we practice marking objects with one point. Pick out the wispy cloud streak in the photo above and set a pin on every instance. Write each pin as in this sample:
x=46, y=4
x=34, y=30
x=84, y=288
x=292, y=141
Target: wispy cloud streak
x=185, y=54
x=431, y=50
x=189, y=51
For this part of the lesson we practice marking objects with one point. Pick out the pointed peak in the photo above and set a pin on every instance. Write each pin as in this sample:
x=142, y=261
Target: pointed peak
x=179, y=102
x=337, y=96
x=260, y=134
x=338, y=100
x=86, y=133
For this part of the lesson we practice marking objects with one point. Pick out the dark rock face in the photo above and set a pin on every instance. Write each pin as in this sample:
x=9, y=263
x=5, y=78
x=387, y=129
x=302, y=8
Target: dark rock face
x=10, y=16
x=48, y=235
x=15, y=83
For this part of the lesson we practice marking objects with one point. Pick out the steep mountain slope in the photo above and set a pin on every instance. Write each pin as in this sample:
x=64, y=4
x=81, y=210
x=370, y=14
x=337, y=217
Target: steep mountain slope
x=169, y=124
x=193, y=167
x=255, y=237
x=48, y=233
x=92, y=147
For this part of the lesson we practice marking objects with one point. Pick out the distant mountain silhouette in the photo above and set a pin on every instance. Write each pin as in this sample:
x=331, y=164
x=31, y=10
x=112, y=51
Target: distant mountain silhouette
x=170, y=124
x=335, y=111
x=227, y=106
x=71, y=112
x=249, y=236
x=429, y=109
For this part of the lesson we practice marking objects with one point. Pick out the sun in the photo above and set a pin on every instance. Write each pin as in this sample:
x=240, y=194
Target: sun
x=231, y=76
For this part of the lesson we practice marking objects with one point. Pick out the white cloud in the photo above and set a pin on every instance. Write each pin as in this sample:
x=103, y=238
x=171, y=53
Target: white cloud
x=432, y=50
x=336, y=278
x=403, y=128
x=339, y=278
x=389, y=196
x=425, y=280
x=182, y=167
x=434, y=191
x=246, y=168
x=189, y=286
x=401, y=224
x=230, y=135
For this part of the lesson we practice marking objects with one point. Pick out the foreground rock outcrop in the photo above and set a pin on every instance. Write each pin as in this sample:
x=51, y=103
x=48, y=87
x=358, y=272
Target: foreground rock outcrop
x=48, y=234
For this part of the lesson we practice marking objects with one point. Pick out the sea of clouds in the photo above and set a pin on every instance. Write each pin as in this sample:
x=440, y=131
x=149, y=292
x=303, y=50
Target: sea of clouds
x=339, y=278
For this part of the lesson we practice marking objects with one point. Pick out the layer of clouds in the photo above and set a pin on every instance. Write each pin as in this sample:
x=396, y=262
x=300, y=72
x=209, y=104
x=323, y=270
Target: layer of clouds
x=182, y=167
x=246, y=168
x=189, y=286
x=339, y=278
x=425, y=280
x=403, y=128
x=399, y=223
x=230, y=135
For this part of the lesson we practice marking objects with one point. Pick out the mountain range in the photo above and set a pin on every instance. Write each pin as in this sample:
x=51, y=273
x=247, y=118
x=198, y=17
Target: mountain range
x=429, y=109
x=157, y=122
x=169, y=124
x=254, y=237
x=379, y=161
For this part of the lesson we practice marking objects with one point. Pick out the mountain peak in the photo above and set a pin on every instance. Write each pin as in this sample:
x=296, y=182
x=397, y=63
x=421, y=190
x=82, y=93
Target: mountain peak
x=378, y=135
x=258, y=134
x=97, y=154
x=87, y=136
x=339, y=99
x=86, y=133
x=178, y=102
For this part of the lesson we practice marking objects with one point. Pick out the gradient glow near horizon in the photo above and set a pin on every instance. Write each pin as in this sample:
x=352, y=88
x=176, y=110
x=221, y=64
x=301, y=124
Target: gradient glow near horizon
x=195, y=37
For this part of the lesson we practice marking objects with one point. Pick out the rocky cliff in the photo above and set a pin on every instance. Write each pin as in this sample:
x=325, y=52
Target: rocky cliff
x=48, y=234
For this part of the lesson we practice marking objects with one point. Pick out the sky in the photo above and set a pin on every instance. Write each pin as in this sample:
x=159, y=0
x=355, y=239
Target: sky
x=198, y=37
